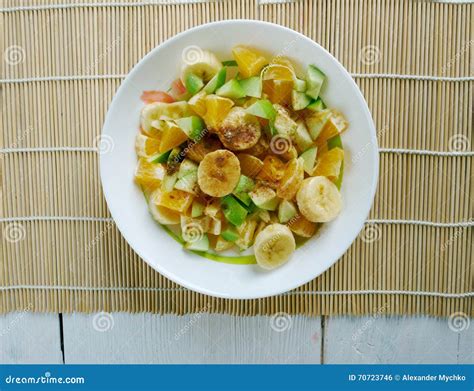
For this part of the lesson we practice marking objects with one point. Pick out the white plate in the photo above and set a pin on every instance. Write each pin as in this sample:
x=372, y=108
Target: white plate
x=127, y=204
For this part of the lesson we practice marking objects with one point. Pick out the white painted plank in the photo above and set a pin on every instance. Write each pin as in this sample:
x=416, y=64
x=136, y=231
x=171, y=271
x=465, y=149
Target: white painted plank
x=198, y=338
x=395, y=340
x=27, y=338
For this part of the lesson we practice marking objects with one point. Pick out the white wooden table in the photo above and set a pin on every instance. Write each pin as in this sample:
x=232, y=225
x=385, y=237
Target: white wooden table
x=203, y=338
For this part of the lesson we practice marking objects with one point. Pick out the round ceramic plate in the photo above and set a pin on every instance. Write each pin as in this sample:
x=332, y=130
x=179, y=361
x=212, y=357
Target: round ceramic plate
x=154, y=245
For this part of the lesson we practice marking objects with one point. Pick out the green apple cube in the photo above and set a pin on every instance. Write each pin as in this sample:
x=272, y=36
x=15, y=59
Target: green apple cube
x=187, y=183
x=317, y=105
x=230, y=235
x=316, y=122
x=309, y=158
x=159, y=157
x=231, y=89
x=192, y=126
x=252, y=86
x=262, y=108
x=265, y=198
x=168, y=182
x=193, y=83
x=244, y=198
x=187, y=166
x=234, y=212
x=300, y=85
x=299, y=100
x=301, y=137
x=217, y=81
x=286, y=211
x=197, y=209
x=245, y=184
x=314, y=81
x=202, y=244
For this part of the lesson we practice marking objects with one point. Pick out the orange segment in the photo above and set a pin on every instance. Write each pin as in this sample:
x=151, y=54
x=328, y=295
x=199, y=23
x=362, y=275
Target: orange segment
x=278, y=91
x=272, y=171
x=217, y=109
x=175, y=200
x=249, y=61
x=278, y=72
x=146, y=146
x=329, y=164
x=148, y=174
x=172, y=137
x=334, y=126
x=198, y=103
x=291, y=180
x=285, y=61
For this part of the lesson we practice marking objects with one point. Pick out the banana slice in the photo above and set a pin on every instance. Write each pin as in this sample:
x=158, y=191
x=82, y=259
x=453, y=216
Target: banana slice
x=219, y=173
x=239, y=130
x=202, y=63
x=153, y=111
x=274, y=246
x=319, y=199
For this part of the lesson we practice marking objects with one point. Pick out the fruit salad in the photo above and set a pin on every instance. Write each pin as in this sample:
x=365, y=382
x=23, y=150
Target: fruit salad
x=241, y=153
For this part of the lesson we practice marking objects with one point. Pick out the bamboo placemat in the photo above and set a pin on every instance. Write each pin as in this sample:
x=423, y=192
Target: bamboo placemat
x=64, y=60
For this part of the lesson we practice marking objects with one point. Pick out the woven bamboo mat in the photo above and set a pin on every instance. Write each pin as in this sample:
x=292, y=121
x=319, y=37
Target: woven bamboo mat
x=62, y=63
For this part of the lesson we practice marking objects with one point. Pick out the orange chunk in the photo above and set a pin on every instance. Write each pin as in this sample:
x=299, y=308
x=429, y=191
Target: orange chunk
x=272, y=171
x=249, y=61
x=278, y=91
x=172, y=137
x=177, y=200
x=329, y=164
x=249, y=165
x=146, y=146
x=217, y=109
x=149, y=174
x=334, y=126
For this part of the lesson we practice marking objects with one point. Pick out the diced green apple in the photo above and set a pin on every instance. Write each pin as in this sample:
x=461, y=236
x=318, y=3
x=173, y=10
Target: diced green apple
x=245, y=184
x=168, y=182
x=301, y=137
x=286, y=211
x=314, y=81
x=230, y=235
x=187, y=166
x=309, y=158
x=192, y=126
x=264, y=198
x=252, y=86
x=262, y=108
x=159, y=157
x=317, y=105
x=217, y=81
x=234, y=212
x=231, y=89
x=300, y=85
x=202, y=244
x=193, y=83
x=187, y=183
x=197, y=209
x=299, y=100
x=316, y=122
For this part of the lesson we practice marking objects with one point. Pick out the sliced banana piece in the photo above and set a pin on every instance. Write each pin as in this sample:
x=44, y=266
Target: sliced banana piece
x=219, y=173
x=154, y=111
x=274, y=246
x=201, y=63
x=319, y=199
x=239, y=130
